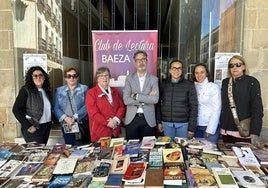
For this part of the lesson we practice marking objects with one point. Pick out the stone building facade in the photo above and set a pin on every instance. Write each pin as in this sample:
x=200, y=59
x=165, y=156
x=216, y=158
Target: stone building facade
x=254, y=44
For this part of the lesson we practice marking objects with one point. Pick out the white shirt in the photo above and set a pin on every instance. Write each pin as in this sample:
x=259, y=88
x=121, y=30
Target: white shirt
x=209, y=105
x=46, y=117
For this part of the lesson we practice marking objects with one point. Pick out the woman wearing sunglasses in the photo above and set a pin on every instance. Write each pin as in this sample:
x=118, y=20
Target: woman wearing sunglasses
x=70, y=108
x=32, y=107
x=241, y=99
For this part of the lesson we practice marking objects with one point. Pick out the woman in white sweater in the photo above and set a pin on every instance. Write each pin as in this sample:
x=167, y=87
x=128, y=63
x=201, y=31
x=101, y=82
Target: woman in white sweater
x=209, y=104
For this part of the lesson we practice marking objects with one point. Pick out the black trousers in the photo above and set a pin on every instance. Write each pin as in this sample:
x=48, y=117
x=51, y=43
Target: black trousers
x=138, y=128
x=40, y=136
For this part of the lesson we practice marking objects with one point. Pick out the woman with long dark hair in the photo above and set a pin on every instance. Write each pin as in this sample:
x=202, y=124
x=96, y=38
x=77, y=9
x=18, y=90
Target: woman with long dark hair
x=32, y=107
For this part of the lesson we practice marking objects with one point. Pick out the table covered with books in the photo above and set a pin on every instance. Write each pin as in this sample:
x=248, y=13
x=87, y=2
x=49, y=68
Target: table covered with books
x=151, y=163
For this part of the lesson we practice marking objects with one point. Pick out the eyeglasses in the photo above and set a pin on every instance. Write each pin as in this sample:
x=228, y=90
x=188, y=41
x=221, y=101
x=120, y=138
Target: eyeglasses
x=232, y=65
x=103, y=76
x=35, y=76
x=143, y=60
x=69, y=76
x=176, y=68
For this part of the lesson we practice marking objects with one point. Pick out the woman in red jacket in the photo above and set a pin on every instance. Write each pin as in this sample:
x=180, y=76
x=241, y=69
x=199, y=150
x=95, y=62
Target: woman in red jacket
x=105, y=107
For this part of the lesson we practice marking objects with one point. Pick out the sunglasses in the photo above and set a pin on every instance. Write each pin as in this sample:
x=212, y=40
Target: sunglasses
x=232, y=65
x=35, y=76
x=69, y=76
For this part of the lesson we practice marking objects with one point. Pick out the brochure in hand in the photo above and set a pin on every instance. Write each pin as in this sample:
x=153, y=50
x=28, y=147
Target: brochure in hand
x=71, y=129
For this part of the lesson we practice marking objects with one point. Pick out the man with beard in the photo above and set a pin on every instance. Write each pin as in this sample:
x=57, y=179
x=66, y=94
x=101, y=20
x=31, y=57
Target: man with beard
x=140, y=94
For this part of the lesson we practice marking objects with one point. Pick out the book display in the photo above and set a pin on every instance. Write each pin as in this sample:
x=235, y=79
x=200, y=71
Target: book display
x=150, y=166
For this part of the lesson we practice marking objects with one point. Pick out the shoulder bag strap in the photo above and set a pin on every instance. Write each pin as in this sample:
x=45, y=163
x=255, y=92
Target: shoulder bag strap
x=231, y=101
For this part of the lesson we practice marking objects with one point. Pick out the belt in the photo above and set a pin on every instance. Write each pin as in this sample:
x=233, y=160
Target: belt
x=139, y=114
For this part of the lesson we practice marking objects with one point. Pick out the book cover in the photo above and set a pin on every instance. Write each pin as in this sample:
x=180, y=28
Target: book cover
x=143, y=156
x=213, y=165
x=209, y=158
x=7, y=146
x=9, y=167
x=120, y=164
x=174, y=173
x=5, y=154
x=245, y=156
x=134, y=172
x=248, y=179
x=148, y=142
x=28, y=169
x=17, y=149
x=104, y=142
x=155, y=158
x=37, y=157
x=59, y=181
x=255, y=169
x=190, y=179
x=118, y=150
x=33, y=145
x=133, y=141
x=96, y=184
x=203, y=178
x=162, y=140
x=101, y=172
x=52, y=159
x=65, y=166
x=79, y=181
x=224, y=178
x=154, y=178
x=84, y=166
x=79, y=154
x=139, y=182
x=262, y=155
x=70, y=129
x=58, y=148
x=132, y=149
x=106, y=153
x=116, y=141
x=113, y=180
x=18, y=157
x=172, y=155
x=44, y=174
x=13, y=183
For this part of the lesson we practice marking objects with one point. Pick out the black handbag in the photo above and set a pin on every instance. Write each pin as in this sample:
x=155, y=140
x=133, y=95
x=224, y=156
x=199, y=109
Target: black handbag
x=84, y=131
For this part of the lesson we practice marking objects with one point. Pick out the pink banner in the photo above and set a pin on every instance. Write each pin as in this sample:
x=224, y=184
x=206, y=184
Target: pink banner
x=115, y=49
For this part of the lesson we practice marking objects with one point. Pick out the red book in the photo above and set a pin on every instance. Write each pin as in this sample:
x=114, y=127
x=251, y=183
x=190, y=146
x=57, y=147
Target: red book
x=134, y=171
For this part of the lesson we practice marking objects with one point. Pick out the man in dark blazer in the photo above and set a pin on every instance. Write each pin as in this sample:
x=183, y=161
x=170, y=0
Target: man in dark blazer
x=140, y=94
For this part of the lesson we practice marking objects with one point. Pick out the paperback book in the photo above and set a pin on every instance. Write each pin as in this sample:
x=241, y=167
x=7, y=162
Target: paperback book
x=120, y=164
x=172, y=155
x=44, y=174
x=28, y=170
x=224, y=178
x=248, y=179
x=65, y=166
x=148, y=142
x=174, y=173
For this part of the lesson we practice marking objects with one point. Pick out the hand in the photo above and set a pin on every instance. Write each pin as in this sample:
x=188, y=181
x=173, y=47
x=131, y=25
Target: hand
x=69, y=121
x=207, y=135
x=190, y=134
x=153, y=92
x=112, y=123
x=160, y=127
x=32, y=129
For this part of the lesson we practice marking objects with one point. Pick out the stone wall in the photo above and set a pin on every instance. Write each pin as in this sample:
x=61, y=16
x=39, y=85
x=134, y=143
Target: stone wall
x=8, y=128
x=255, y=48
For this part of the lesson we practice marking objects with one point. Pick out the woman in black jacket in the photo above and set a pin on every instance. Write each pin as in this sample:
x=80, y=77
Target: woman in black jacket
x=247, y=99
x=32, y=107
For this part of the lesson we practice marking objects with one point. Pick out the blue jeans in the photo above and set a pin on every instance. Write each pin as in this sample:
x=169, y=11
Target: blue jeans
x=201, y=133
x=175, y=129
